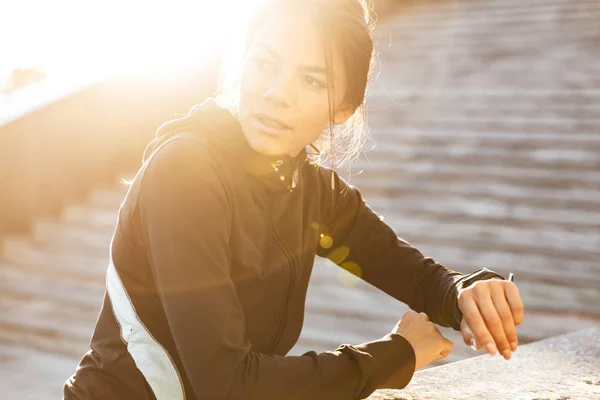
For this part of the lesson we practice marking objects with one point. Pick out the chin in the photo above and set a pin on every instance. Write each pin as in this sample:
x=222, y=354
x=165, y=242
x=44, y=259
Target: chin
x=266, y=145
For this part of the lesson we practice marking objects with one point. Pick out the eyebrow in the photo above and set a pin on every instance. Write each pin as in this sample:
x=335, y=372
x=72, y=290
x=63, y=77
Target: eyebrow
x=307, y=68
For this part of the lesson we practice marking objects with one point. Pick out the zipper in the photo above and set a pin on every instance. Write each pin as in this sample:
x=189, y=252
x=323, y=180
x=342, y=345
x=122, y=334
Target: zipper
x=292, y=278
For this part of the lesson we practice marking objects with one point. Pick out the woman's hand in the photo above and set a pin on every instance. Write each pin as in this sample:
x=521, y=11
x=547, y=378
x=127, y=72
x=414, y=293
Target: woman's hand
x=491, y=308
x=425, y=338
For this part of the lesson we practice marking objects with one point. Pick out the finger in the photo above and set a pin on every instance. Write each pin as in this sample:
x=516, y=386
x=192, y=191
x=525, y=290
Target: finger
x=476, y=322
x=473, y=344
x=490, y=316
x=514, y=300
x=468, y=336
x=506, y=317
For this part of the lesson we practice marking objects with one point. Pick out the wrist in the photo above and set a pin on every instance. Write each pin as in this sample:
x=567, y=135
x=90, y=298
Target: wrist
x=465, y=282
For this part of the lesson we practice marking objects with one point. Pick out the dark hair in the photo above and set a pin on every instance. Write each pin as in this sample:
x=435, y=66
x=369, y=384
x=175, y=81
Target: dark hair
x=345, y=27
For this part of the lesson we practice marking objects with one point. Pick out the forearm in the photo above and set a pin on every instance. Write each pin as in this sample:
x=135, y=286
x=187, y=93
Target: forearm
x=396, y=267
x=359, y=238
x=220, y=362
x=402, y=271
x=349, y=372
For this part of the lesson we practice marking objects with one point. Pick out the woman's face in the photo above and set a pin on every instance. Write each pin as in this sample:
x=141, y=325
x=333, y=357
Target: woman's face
x=283, y=103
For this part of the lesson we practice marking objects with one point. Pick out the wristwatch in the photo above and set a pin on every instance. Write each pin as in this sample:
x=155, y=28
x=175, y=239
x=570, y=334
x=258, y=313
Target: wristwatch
x=479, y=275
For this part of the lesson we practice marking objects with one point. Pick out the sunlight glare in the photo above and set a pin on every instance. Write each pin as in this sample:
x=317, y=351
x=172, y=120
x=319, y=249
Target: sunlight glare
x=71, y=37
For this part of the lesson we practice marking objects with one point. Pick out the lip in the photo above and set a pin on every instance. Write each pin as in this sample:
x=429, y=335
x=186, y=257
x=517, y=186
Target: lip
x=269, y=129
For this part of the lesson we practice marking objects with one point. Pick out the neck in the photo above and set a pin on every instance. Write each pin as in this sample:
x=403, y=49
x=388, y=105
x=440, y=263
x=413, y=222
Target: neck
x=295, y=153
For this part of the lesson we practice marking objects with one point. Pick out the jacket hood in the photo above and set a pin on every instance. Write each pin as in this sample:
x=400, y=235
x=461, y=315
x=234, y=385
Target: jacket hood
x=220, y=127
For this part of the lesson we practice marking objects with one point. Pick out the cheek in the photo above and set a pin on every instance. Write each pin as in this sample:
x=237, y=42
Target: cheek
x=315, y=110
x=314, y=117
x=250, y=83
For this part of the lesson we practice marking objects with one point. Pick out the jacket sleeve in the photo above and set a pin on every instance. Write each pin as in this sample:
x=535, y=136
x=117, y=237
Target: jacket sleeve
x=358, y=240
x=185, y=216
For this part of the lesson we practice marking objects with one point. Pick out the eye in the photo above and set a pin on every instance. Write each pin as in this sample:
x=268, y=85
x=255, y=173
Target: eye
x=313, y=82
x=262, y=63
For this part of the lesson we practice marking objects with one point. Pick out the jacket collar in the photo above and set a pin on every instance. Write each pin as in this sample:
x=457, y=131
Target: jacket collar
x=274, y=173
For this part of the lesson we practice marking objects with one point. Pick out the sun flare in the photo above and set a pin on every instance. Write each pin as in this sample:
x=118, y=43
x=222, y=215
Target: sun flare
x=82, y=37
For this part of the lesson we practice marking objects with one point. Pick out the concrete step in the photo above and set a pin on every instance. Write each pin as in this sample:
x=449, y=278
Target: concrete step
x=482, y=111
x=487, y=93
x=464, y=14
x=483, y=244
x=95, y=250
x=546, y=150
x=99, y=219
x=577, y=217
x=42, y=317
x=449, y=174
x=503, y=71
x=470, y=108
x=447, y=24
x=423, y=233
x=70, y=265
x=517, y=125
x=53, y=232
x=504, y=63
x=418, y=41
x=107, y=198
x=573, y=210
x=426, y=11
x=387, y=181
x=411, y=135
x=557, y=239
x=527, y=266
x=46, y=341
x=575, y=160
x=48, y=312
x=396, y=99
x=47, y=306
x=402, y=39
x=464, y=76
x=584, y=273
x=19, y=364
x=21, y=283
x=430, y=115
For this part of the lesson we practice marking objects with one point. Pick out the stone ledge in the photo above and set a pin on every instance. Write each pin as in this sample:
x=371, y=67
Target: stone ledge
x=557, y=368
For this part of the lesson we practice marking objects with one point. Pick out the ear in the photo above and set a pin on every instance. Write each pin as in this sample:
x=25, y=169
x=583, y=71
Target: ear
x=342, y=115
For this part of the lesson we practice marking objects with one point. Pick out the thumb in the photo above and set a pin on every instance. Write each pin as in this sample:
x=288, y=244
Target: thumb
x=446, y=349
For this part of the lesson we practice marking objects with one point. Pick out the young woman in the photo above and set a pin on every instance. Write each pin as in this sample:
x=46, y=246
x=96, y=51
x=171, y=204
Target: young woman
x=215, y=241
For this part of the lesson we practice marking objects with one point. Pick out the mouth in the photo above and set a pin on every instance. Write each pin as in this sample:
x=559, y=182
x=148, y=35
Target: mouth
x=270, y=124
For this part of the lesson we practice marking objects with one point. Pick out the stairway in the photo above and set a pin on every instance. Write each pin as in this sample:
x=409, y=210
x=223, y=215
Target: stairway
x=485, y=151
x=52, y=285
x=486, y=124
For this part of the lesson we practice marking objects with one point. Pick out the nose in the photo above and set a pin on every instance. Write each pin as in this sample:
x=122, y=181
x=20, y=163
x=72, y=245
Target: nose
x=277, y=92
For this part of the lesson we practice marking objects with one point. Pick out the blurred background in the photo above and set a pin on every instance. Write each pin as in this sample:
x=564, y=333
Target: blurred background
x=485, y=118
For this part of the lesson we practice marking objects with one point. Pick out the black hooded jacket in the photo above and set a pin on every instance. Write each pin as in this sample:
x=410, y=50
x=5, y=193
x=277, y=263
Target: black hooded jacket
x=209, y=267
